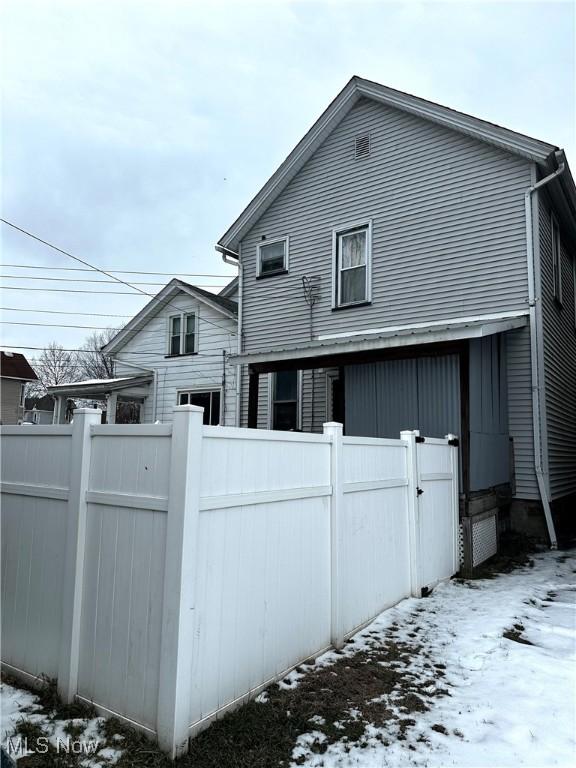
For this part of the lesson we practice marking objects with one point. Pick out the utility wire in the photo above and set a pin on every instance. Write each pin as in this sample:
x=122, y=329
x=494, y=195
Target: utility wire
x=121, y=271
x=98, y=269
x=76, y=349
x=60, y=312
x=87, y=280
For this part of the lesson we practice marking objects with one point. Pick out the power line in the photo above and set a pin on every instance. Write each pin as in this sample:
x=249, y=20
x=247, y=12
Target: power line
x=87, y=280
x=69, y=290
x=62, y=349
x=96, y=269
x=61, y=325
x=60, y=312
x=121, y=271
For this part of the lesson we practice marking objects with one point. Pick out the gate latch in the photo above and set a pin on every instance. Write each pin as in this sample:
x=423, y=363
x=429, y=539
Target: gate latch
x=419, y=491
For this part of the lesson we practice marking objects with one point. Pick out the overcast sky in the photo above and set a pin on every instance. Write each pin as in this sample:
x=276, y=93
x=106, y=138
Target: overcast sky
x=134, y=133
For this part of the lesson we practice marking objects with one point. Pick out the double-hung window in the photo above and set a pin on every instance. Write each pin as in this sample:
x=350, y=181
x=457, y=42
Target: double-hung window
x=272, y=257
x=210, y=401
x=352, y=255
x=284, y=400
x=182, y=334
x=556, y=259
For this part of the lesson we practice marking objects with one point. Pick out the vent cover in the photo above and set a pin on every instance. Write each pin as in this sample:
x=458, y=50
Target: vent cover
x=362, y=145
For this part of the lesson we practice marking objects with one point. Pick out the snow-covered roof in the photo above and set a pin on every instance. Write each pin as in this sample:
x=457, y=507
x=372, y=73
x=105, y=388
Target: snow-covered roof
x=93, y=387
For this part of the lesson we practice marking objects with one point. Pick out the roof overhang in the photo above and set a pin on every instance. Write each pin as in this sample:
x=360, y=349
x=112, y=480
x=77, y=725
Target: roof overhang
x=131, y=386
x=531, y=149
x=314, y=354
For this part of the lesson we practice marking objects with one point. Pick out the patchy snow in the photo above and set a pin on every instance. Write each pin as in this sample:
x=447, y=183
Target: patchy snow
x=510, y=703
x=18, y=704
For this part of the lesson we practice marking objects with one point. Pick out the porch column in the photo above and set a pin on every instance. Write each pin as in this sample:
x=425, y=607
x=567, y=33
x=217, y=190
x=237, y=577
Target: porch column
x=58, y=408
x=253, y=380
x=111, y=402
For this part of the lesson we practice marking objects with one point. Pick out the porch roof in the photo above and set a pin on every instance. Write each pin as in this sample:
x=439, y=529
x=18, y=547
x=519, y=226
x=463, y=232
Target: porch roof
x=328, y=347
x=136, y=386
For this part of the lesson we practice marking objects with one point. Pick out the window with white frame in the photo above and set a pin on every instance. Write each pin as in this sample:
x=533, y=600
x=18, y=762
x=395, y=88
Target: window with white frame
x=284, y=400
x=556, y=259
x=352, y=254
x=209, y=400
x=272, y=257
x=182, y=334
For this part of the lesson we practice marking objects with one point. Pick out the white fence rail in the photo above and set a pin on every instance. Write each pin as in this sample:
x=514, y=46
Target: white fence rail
x=168, y=572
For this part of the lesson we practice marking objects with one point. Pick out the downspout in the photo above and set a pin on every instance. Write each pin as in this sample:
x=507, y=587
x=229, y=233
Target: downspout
x=233, y=258
x=148, y=370
x=535, y=342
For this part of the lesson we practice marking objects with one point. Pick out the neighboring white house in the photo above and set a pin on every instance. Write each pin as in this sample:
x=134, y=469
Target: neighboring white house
x=175, y=351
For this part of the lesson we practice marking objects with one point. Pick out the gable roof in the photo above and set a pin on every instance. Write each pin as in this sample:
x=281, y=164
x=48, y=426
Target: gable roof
x=532, y=149
x=13, y=365
x=229, y=289
x=225, y=306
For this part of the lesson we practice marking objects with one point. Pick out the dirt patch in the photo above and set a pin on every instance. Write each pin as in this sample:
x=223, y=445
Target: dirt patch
x=515, y=634
x=374, y=686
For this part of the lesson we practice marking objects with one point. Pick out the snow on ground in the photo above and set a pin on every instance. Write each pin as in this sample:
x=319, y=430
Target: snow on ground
x=77, y=735
x=510, y=703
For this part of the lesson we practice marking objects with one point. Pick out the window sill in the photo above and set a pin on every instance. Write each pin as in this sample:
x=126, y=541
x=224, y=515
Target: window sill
x=272, y=274
x=183, y=354
x=352, y=306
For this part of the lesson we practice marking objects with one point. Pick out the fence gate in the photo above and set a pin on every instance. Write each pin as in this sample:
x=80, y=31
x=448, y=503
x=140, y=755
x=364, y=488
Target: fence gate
x=437, y=509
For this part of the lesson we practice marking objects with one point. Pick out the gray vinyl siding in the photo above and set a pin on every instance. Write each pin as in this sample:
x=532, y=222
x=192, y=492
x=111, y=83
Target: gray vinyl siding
x=519, y=377
x=448, y=230
x=489, y=436
x=10, y=409
x=384, y=398
x=216, y=333
x=559, y=359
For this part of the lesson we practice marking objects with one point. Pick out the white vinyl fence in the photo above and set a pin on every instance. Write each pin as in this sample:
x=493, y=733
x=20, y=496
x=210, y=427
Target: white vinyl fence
x=168, y=572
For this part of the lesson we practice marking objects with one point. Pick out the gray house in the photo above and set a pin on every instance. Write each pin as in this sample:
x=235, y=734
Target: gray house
x=410, y=266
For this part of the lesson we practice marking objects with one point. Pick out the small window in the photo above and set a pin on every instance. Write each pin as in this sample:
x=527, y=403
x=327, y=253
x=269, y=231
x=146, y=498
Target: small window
x=273, y=257
x=285, y=400
x=352, y=252
x=556, y=260
x=22, y=395
x=210, y=401
x=182, y=338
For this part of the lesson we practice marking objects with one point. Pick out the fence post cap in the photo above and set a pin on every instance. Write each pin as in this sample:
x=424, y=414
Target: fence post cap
x=410, y=432
x=188, y=409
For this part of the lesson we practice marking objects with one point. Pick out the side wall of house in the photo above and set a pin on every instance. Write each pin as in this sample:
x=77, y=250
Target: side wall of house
x=519, y=377
x=203, y=371
x=559, y=332
x=448, y=225
x=10, y=410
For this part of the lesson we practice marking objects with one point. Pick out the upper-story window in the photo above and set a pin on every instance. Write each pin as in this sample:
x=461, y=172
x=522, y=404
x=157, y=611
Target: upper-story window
x=182, y=334
x=272, y=257
x=352, y=253
x=556, y=259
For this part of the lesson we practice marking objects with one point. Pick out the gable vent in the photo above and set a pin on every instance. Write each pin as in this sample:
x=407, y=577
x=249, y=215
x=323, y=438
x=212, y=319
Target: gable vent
x=362, y=145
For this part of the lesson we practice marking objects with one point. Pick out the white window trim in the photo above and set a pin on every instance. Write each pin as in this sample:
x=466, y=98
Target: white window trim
x=182, y=315
x=264, y=243
x=298, y=401
x=365, y=224
x=556, y=257
x=206, y=389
